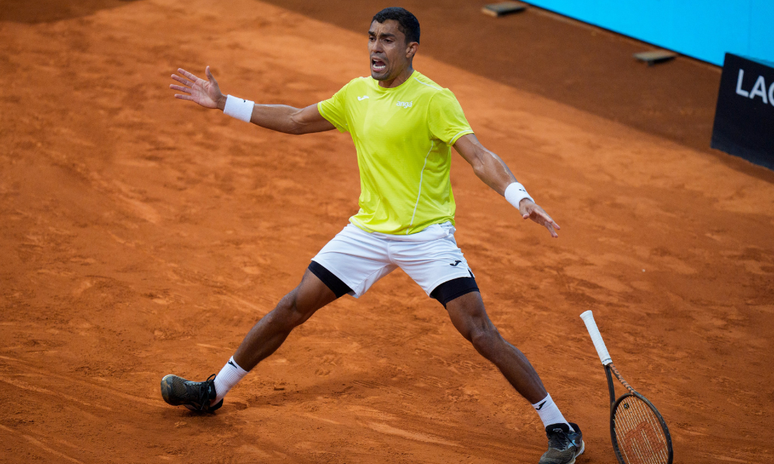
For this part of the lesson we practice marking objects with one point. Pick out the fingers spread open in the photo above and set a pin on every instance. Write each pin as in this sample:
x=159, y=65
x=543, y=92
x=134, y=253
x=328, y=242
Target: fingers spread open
x=179, y=88
x=549, y=226
x=187, y=74
x=537, y=214
x=545, y=217
x=182, y=81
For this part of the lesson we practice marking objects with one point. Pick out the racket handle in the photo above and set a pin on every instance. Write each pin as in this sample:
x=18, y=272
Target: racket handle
x=596, y=338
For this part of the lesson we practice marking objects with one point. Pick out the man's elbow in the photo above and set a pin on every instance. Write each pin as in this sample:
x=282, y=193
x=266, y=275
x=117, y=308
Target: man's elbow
x=295, y=129
x=479, y=169
x=294, y=125
x=478, y=161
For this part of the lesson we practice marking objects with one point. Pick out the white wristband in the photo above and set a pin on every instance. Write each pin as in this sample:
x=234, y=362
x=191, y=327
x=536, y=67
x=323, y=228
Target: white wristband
x=239, y=108
x=516, y=192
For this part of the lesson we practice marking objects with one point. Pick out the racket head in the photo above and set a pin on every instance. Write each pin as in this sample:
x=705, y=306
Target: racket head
x=638, y=432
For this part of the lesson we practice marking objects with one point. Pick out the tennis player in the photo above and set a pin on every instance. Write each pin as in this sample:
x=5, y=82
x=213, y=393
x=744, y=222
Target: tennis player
x=403, y=126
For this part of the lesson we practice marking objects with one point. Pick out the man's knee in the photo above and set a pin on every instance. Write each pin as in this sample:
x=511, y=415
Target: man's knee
x=485, y=337
x=303, y=301
x=290, y=313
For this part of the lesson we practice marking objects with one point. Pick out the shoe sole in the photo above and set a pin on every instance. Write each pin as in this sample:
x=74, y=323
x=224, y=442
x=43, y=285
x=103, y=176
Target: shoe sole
x=582, y=449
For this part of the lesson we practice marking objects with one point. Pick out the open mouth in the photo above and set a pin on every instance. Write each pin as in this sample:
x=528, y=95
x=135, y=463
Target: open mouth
x=378, y=65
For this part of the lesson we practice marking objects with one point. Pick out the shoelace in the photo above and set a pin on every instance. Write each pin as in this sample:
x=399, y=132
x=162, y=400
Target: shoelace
x=559, y=440
x=204, y=393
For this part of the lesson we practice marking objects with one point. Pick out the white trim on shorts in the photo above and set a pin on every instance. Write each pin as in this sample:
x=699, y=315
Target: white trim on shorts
x=359, y=258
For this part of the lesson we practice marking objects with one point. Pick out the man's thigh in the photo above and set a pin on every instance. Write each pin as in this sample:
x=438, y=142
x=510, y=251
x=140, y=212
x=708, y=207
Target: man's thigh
x=433, y=262
x=468, y=314
x=357, y=258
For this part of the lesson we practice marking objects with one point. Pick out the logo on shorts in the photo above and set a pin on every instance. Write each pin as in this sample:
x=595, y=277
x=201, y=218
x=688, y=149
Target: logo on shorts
x=456, y=262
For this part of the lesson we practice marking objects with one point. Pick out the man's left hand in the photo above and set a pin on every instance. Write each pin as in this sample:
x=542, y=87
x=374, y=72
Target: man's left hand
x=529, y=210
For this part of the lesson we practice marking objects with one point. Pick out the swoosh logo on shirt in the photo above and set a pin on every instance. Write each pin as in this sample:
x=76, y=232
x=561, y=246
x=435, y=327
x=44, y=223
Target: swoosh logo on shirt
x=362, y=98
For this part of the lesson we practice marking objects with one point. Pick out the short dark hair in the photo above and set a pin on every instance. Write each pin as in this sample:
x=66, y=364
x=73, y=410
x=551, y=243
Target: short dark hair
x=408, y=24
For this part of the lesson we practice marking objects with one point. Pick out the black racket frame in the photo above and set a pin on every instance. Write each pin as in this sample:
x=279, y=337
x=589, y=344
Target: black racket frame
x=610, y=371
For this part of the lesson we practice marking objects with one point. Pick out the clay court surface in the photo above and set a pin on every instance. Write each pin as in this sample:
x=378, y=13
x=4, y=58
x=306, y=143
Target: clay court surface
x=141, y=235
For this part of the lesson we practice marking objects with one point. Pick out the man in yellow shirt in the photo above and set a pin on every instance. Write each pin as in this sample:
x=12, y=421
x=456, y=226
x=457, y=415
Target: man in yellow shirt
x=403, y=126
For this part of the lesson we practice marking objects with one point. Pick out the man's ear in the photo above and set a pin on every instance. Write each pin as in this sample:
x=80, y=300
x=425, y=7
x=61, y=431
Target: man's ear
x=411, y=50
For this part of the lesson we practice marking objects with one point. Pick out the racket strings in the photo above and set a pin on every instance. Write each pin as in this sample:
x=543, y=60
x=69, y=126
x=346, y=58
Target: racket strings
x=639, y=434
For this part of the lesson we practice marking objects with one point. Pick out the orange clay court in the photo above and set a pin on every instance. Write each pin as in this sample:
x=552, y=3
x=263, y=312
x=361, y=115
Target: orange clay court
x=142, y=236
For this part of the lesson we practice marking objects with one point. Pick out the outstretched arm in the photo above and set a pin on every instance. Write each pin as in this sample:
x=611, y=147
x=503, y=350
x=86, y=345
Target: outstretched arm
x=281, y=118
x=495, y=173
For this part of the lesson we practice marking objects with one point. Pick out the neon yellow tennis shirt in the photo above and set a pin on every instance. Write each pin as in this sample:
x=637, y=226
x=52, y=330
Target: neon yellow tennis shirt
x=403, y=137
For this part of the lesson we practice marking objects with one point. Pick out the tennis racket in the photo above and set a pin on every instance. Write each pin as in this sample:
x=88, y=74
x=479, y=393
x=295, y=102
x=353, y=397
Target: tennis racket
x=638, y=432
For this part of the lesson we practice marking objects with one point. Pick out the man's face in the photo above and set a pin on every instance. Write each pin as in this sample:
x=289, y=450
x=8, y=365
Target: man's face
x=390, y=54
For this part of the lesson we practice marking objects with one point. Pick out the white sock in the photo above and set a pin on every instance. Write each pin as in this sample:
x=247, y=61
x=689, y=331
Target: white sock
x=549, y=413
x=229, y=376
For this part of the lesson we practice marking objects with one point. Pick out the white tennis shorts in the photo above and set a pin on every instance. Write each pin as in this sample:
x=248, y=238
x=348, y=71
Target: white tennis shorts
x=361, y=258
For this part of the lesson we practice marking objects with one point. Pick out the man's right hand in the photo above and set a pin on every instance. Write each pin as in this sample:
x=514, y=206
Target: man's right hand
x=206, y=93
